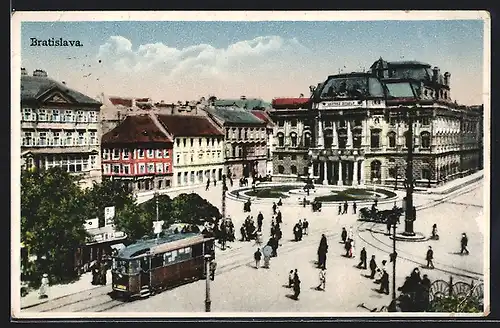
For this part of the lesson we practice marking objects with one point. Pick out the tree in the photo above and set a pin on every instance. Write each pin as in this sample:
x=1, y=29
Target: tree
x=133, y=220
x=52, y=221
x=191, y=208
x=164, y=209
x=456, y=304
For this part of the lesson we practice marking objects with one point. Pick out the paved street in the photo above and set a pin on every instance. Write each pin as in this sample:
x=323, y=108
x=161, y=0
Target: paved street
x=239, y=287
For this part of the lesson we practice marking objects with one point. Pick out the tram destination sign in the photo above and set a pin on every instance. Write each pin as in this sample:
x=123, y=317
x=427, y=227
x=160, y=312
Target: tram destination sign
x=342, y=104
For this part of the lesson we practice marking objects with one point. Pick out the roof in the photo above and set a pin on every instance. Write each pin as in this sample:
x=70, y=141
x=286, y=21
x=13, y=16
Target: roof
x=234, y=115
x=290, y=102
x=408, y=63
x=171, y=240
x=135, y=129
x=33, y=87
x=263, y=116
x=126, y=102
x=189, y=125
x=249, y=103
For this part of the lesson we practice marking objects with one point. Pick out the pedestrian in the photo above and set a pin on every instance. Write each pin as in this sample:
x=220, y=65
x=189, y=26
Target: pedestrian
x=258, y=238
x=463, y=244
x=344, y=235
x=322, y=251
x=274, y=208
x=279, y=219
x=384, y=283
x=345, y=207
x=103, y=273
x=208, y=184
x=362, y=259
x=426, y=285
x=215, y=182
x=351, y=233
x=384, y=262
x=340, y=209
x=354, y=207
x=305, y=226
x=260, y=219
x=280, y=203
x=429, y=257
x=322, y=280
x=373, y=267
x=257, y=256
x=44, y=286
x=296, y=285
x=353, y=250
x=347, y=247
x=290, y=279
x=243, y=232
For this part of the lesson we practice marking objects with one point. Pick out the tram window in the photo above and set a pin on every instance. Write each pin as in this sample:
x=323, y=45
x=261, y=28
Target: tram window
x=120, y=266
x=156, y=261
x=181, y=251
x=174, y=255
x=167, y=257
x=134, y=266
x=187, y=250
x=197, y=250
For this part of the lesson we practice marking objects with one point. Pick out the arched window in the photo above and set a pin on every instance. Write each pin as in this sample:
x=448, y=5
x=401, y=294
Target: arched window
x=392, y=139
x=293, y=138
x=307, y=140
x=375, y=138
x=293, y=169
x=407, y=139
x=281, y=140
x=375, y=169
x=425, y=139
x=306, y=170
x=281, y=169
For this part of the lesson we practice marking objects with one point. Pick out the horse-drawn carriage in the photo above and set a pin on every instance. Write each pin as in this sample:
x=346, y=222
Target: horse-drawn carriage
x=316, y=206
x=375, y=215
x=247, y=206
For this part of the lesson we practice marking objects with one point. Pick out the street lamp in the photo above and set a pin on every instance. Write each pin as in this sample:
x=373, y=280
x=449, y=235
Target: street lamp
x=409, y=212
x=224, y=189
x=396, y=168
x=208, y=302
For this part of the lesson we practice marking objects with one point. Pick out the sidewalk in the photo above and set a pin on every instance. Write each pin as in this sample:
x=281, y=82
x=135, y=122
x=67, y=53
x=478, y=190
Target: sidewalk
x=58, y=291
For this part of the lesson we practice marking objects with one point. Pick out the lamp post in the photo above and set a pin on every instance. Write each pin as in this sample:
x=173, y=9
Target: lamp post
x=409, y=213
x=208, y=302
x=224, y=189
x=396, y=168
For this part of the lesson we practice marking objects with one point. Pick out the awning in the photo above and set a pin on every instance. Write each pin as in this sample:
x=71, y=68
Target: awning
x=118, y=246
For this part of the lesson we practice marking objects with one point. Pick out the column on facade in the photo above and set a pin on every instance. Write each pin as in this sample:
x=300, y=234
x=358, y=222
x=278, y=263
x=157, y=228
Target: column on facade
x=349, y=143
x=355, y=173
x=362, y=173
x=340, y=182
x=335, y=136
x=325, y=172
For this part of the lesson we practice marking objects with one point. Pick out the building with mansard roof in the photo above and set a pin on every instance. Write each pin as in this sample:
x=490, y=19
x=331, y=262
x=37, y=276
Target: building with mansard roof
x=60, y=127
x=353, y=129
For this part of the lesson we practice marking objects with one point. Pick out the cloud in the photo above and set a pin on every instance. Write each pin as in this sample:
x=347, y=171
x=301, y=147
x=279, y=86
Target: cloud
x=203, y=59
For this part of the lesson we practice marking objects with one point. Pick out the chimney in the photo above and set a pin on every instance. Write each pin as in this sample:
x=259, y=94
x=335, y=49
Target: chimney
x=243, y=97
x=435, y=75
x=23, y=71
x=447, y=76
x=40, y=73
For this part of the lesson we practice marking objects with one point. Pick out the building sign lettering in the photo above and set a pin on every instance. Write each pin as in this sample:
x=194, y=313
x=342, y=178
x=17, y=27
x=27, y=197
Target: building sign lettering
x=342, y=104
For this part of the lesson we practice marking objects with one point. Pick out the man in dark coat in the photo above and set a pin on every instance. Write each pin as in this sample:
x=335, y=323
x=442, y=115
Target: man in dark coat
x=305, y=226
x=279, y=219
x=429, y=256
x=463, y=244
x=354, y=207
x=347, y=247
x=362, y=259
x=257, y=256
x=426, y=285
x=384, y=283
x=344, y=235
x=340, y=209
x=208, y=184
x=260, y=219
x=274, y=208
x=345, y=207
x=373, y=267
x=296, y=285
x=322, y=250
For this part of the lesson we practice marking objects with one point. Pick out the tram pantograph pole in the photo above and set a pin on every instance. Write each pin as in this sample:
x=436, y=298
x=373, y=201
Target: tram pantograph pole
x=208, y=302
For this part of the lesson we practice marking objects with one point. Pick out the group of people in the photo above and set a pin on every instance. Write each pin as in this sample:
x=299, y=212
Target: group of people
x=300, y=229
x=344, y=207
x=415, y=292
x=99, y=272
x=248, y=230
x=294, y=282
x=348, y=241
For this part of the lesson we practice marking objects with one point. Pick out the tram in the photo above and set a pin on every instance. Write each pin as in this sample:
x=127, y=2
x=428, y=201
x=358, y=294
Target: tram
x=149, y=266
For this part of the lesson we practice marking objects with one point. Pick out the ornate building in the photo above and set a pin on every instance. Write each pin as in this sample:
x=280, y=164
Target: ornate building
x=359, y=122
x=245, y=141
x=60, y=127
x=264, y=116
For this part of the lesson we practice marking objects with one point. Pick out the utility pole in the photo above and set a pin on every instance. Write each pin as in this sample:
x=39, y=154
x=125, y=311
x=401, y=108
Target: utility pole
x=394, y=260
x=409, y=217
x=224, y=189
x=208, y=302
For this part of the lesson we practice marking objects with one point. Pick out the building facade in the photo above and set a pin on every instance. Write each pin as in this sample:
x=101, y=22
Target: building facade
x=245, y=150
x=263, y=115
x=138, y=153
x=198, y=149
x=60, y=127
x=360, y=127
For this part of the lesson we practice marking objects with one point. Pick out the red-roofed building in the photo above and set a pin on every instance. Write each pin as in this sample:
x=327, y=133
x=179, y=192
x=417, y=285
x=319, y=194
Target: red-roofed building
x=290, y=103
x=198, y=149
x=139, y=153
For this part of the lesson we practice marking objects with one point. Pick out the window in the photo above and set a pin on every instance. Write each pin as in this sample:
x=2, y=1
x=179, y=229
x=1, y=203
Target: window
x=192, y=142
x=126, y=154
x=426, y=174
x=93, y=159
x=281, y=140
x=342, y=142
x=356, y=141
x=425, y=121
x=280, y=157
x=158, y=153
x=167, y=167
x=116, y=168
x=342, y=124
x=184, y=142
x=191, y=177
x=151, y=153
x=307, y=140
x=116, y=153
x=407, y=139
x=179, y=178
x=56, y=138
x=157, y=261
x=425, y=140
x=178, y=142
x=293, y=122
x=93, y=137
x=281, y=169
x=93, y=116
x=142, y=168
x=166, y=153
x=81, y=138
x=27, y=139
x=192, y=158
x=42, y=115
x=151, y=167
x=178, y=159
x=69, y=139
x=392, y=139
x=246, y=134
x=79, y=116
x=305, y=157
x=140, y=153
x=159, y=167
x=375, y=139
x=293, y=169
x=27, y=112
x=281, y=123
x=68, y=116
x=213, y=142
x=239, y=133
x=294, y=157
x=293, y=138
x=105, y=153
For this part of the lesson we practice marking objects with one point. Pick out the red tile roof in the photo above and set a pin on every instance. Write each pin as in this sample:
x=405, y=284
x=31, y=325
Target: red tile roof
x=127, y=102
x=262, y=115
x=136, y=129
x=290, y=102
x=187, y=125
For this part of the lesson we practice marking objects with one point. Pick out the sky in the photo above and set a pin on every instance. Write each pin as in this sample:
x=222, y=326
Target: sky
x=187, y=60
